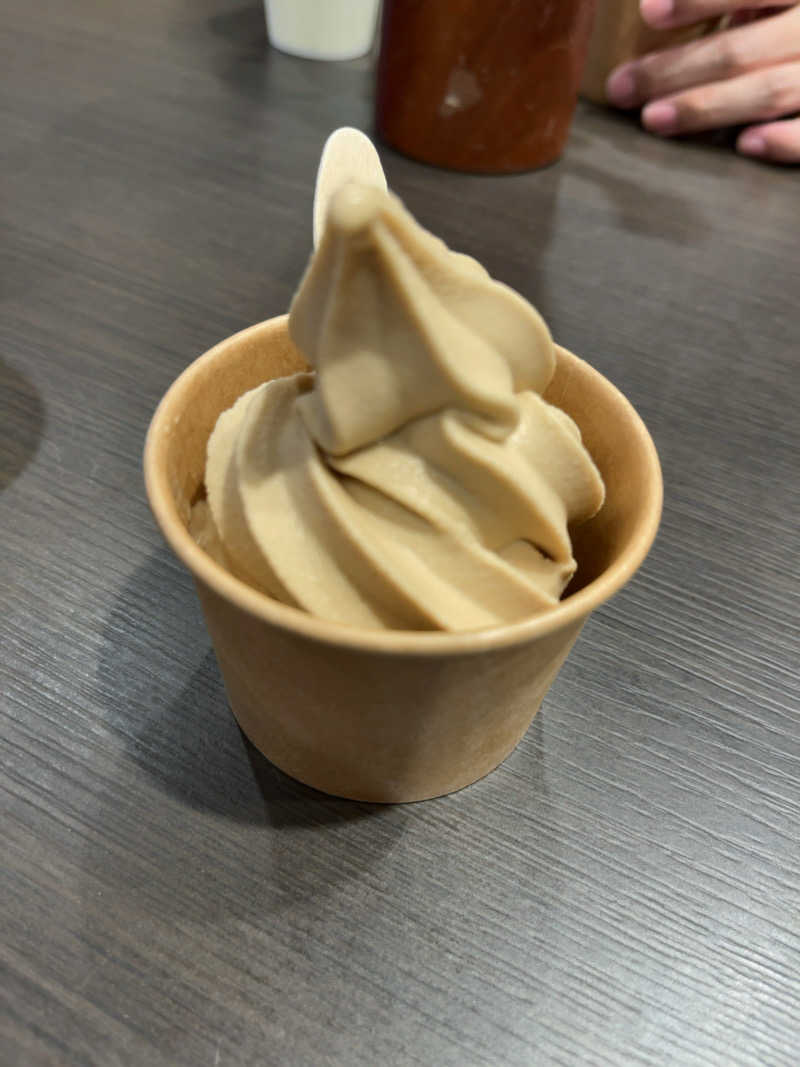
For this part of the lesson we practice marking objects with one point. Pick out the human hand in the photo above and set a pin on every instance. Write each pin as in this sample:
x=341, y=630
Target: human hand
x=746, y=74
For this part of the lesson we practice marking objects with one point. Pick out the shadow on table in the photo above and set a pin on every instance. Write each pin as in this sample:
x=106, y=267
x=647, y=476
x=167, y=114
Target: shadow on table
x=244, y=27
x=176, y=722
x=22, y=425
x=244, y=58
x=190, y=827
x=652, y=211
x=198, y=851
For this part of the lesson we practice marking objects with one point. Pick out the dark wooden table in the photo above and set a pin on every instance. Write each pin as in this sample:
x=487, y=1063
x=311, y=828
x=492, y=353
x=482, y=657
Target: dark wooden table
x=626, y=888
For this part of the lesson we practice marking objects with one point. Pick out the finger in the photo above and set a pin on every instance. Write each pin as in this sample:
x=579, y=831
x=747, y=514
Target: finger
x=775, y=141
x=757, y=96
x=710, y=59
x=744, y=15
x=665, y=14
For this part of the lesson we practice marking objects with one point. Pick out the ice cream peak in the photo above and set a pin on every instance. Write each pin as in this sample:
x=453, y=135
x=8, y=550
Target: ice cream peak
x=398, y=327
x=416, y=480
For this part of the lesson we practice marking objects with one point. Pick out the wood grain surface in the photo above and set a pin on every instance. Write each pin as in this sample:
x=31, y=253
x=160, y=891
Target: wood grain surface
x=626, y=888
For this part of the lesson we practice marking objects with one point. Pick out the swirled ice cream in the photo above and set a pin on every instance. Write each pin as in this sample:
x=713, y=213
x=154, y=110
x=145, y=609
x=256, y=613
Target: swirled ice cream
x=416, y=479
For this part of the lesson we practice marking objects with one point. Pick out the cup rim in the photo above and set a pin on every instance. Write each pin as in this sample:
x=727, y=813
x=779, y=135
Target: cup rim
x=388, y=642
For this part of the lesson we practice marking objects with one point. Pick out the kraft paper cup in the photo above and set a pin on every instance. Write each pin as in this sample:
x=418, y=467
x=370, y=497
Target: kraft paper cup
x=380, y=715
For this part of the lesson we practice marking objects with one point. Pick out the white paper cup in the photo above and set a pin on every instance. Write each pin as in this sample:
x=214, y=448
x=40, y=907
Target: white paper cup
x=322, y=29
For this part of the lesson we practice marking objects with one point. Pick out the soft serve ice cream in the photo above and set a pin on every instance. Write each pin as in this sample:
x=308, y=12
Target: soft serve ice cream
x=416, y=479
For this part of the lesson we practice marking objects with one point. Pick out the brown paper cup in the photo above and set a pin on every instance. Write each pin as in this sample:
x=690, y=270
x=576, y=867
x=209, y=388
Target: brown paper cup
x=380, y=715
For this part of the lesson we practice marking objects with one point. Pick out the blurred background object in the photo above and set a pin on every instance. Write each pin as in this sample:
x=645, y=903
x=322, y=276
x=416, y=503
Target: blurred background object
x=322, y=29
x=619, y=33
x=480, y=87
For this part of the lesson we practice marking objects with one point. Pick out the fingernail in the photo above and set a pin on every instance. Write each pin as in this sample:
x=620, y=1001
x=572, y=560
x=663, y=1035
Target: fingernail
x=660, y=117
x=621, y=87
x=657, y=11
x=752, y=144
